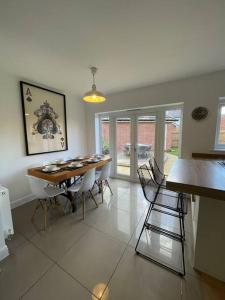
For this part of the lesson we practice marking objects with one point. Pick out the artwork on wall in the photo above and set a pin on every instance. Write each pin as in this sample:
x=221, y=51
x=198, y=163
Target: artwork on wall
x=44, y=115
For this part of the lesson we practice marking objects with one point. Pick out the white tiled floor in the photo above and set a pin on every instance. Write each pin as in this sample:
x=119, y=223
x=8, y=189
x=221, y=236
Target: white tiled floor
x=95, y=259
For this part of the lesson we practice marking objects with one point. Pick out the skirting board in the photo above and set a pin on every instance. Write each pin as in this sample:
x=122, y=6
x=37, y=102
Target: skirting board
x=22, y=201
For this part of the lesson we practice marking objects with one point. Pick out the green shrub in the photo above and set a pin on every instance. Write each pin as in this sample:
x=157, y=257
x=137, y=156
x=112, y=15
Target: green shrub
x=105, y=146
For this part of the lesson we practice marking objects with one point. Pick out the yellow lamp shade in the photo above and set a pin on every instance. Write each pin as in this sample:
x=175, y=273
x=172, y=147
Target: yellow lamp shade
x=94, y=96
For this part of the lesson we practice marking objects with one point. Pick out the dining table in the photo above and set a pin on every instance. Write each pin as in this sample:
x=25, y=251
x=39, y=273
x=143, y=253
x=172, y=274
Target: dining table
x=66, y=171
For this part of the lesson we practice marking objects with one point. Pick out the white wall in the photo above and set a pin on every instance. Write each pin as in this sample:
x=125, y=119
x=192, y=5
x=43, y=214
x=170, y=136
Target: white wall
x=203, y=90
x=13, y=159
x=196, y=91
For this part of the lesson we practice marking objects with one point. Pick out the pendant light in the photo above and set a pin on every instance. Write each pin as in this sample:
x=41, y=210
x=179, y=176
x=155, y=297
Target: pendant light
x=94, y=96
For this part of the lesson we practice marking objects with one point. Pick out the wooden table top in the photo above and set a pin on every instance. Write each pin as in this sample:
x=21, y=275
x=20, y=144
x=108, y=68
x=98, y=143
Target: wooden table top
x=198, y=177
x=66, y=174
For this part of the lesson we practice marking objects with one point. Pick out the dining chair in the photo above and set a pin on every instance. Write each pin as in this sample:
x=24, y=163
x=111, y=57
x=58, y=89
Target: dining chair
x=84, y=186
x=102, y=178
x=43, y=191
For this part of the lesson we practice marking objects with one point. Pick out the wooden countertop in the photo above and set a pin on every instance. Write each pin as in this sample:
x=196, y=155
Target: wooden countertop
x=198, y=177
x=215, y=155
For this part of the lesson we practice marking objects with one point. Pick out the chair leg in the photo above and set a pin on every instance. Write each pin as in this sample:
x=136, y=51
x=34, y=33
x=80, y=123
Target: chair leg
x=35, y=210
x=95, y=184
x=98, y=185
x=93, y=198
x=58, y=206
x=45, y=214
x=83, y=202
x=102, y=191
x=109, y=187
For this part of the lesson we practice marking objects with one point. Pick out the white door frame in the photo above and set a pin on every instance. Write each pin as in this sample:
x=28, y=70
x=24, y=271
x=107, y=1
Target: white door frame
x=159, y=112
x=152, y=112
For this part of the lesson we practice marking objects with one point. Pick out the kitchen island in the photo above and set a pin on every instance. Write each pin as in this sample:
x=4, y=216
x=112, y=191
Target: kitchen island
x=205, y=181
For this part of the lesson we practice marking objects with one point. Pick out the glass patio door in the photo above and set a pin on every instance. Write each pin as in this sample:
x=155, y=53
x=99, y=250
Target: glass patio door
x=123, y=146
x=132, y=137
x=172, y=138
x=135, y=140
x=145, y=138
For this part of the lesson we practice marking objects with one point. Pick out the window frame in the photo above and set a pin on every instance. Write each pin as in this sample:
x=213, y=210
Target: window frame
x=217, y=145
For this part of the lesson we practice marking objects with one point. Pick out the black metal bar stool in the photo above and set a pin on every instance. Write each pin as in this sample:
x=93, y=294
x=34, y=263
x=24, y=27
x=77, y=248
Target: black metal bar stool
x=171, y=206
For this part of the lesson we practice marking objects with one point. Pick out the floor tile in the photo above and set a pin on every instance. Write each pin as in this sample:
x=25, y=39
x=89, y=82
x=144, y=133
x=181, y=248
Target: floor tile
x=197, y=289
x=137, y=278
x=165, y=221
x=22, y=219
x=127, y=199
x=57, y=285
x=136, y=233
x=162, y=249
x=92, y=252
x=189, y=256
x=188, y=248
x=93, y=259
x=59, y=237
x=115, y=222
x=15, y=241
x=130, y=200
x=21, y=270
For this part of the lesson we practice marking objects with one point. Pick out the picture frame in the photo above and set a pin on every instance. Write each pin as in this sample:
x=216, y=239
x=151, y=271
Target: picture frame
x=44, y=119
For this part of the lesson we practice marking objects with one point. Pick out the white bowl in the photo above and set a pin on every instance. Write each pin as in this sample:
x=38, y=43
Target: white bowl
x=51, y=168
x=79, y=165
x=59, y=161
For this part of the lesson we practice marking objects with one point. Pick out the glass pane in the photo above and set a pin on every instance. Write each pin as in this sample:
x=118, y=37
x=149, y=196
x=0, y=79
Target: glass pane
x=172, y=138
x=104, y=123
x=222, y=126
x=123, y=144
x=145, y=138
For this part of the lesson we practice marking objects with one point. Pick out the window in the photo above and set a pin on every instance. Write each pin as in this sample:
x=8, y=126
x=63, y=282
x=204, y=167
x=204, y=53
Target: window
x=220, y=128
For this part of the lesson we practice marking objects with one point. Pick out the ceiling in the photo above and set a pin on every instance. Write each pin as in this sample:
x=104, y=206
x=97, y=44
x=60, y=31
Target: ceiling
x=133, y=42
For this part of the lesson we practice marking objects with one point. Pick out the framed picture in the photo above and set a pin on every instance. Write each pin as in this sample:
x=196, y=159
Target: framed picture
x=44, y=115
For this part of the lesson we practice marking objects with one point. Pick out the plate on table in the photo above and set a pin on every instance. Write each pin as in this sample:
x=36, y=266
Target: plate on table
x=79, y=165
x=92, y=161
x=70, y=160
x=80, y=158
x=50, y=169
x=60, y=162
x=96, y=156
x=75, y=166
